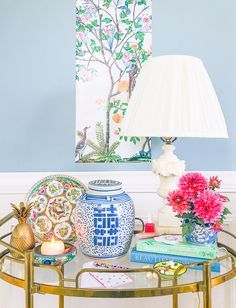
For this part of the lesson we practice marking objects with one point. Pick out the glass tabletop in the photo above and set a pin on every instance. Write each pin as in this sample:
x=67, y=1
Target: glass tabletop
x=122, y=280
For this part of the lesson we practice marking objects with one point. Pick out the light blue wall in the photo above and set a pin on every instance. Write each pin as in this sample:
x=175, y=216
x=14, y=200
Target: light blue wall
x=37, y=88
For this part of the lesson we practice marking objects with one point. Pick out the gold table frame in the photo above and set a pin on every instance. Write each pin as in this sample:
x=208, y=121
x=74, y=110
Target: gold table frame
x=31, y=287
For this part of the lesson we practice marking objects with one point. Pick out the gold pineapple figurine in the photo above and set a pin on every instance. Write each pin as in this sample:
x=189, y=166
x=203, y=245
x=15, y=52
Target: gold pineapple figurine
x=22, y=236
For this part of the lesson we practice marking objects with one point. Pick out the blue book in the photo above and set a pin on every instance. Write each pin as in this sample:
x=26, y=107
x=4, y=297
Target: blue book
x=152, y=258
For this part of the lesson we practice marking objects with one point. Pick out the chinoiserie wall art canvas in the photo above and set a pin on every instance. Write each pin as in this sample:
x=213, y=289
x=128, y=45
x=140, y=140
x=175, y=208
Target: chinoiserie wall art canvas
x=113, y=40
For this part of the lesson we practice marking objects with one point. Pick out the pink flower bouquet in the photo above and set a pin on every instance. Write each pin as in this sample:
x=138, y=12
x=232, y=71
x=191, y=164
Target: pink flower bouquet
x=197, y=201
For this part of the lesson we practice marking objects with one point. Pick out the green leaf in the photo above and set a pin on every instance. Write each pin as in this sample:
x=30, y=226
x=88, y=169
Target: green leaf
x=104, y=36
x=80, y=53
x=137, y=25
x=139, y=36
x=127, y=21
x=132, y=51
x=127, y=47
x=107, y=20
x=140, y=2
x=144, y=57
x=126, y=138
x=186, y=228
x=117, y=102
x=79, y=44
x=140, y=45
x=119, y=55
x=92, y=42
x=89, y=156
x=107, y=3
x=80, y=27
x=89, y=27
x=96, y=49
x=100, y=135
x=95, y=23
x=109, y=157
x=123, y=15
x=226, y=211
x=186, y=216
x=117, y=36
x=115, y=111
x=114, y=146
x=129, y=30
x=133, y=139
x=81, y=11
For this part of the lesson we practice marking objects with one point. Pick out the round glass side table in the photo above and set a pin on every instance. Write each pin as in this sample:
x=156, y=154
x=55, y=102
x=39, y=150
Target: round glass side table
x=70, y=279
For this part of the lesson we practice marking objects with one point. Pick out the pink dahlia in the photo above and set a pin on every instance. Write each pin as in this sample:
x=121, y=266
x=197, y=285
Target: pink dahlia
x=208, y=206
x=222, y=198
x=193, y=183
x=179, y=201
x=214, y=182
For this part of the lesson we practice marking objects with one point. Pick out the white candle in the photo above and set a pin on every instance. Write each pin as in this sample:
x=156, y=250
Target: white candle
x=53, y=247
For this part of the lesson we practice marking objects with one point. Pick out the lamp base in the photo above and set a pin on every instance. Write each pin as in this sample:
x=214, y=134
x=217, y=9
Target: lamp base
x=167, y=184
x=168, y=166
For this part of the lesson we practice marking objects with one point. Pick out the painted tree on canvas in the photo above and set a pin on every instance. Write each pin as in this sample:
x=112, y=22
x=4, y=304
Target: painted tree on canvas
x=111, y=36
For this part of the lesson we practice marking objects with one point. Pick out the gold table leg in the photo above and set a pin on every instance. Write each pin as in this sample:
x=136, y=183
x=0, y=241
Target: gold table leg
x=175, y=300
x=61, y=283
x=207, y=285
x=29, y=279
x=61, y=301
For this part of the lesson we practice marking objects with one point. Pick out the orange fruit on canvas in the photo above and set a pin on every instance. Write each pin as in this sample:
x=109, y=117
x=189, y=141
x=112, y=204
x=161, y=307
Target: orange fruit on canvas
x=117, y=118
x=123, y=86
x=134, y=46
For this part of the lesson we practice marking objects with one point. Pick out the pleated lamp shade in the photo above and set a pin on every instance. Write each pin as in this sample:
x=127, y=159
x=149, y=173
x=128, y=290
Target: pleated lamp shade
x=174, y=97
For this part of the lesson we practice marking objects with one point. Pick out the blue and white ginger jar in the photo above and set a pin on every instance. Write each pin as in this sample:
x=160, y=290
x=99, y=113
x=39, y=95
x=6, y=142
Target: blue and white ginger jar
x=105, y=220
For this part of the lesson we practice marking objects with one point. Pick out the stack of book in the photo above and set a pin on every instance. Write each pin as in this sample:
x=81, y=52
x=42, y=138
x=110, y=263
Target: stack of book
x=155, y=250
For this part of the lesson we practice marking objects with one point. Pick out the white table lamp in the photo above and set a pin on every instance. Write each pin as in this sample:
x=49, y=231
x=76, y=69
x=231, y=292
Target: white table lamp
x=173, y=97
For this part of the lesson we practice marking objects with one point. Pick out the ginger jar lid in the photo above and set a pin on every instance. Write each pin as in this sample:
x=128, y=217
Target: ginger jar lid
x=104, y=187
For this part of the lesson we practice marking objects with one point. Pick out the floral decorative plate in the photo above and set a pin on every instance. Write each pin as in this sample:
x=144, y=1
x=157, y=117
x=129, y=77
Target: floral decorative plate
x=52, y=213
x=167, y=269
x=68, y=255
